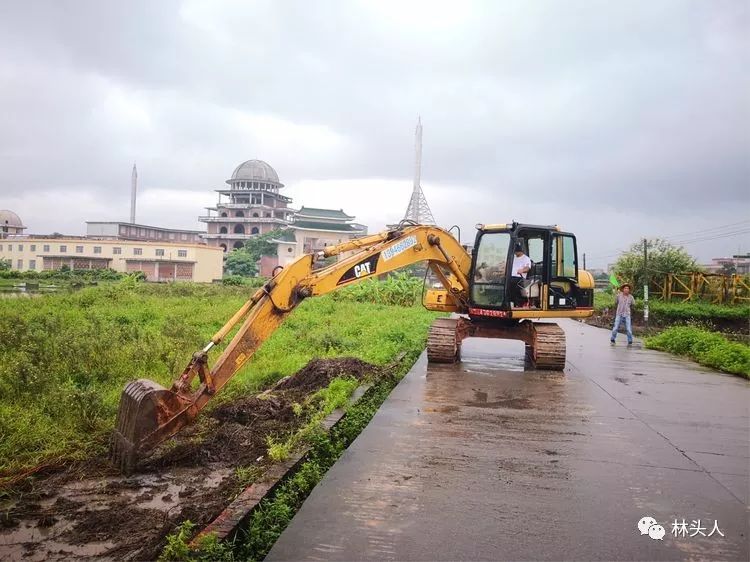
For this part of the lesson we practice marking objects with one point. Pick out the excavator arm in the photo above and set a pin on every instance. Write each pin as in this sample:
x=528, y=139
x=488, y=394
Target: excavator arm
x=149, y=414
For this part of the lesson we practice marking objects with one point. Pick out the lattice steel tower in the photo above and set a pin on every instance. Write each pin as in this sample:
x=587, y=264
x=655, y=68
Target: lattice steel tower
x=418, y=209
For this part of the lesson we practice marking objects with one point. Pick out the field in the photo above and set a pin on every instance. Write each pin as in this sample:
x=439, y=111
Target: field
x=65, y=358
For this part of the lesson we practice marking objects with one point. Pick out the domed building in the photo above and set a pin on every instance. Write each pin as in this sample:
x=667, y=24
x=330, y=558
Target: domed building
x=251, y=205
x=10, y=224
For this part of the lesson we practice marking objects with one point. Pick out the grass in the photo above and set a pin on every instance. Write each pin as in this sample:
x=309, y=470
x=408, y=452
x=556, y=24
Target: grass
x=275, y=512
x=705, y=347
x=64, y=358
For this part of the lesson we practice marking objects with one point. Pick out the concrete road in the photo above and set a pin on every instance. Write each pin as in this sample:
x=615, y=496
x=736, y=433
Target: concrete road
x=482, y=461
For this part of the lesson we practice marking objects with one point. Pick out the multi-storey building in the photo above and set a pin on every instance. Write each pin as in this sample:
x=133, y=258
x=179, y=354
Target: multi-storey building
x=160, y=261
x=252, y=205
x=100, y=230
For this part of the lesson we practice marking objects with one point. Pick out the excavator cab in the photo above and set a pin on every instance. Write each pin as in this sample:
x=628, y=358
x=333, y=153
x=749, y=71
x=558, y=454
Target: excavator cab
x=550, y=283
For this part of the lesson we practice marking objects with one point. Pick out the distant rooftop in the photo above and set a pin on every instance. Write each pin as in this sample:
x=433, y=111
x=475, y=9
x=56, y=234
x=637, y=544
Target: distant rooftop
x=313, y=212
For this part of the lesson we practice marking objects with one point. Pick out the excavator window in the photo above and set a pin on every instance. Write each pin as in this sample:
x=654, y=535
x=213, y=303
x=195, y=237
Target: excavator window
x=488, y=287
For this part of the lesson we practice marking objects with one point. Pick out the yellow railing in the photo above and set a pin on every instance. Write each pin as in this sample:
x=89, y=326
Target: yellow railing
x=711, y=287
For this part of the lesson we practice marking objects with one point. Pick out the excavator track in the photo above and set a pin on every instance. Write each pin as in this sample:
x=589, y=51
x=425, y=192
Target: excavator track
x=443, y=341
x=547, y=352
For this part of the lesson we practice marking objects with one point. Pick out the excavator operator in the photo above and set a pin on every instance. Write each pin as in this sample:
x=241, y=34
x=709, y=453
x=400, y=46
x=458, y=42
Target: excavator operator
x=521, y=266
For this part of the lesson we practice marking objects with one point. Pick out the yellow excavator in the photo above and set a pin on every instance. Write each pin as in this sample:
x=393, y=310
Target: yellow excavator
x=515, y=273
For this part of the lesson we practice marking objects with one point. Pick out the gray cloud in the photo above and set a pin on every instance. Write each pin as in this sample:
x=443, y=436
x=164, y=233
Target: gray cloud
x=585, y=108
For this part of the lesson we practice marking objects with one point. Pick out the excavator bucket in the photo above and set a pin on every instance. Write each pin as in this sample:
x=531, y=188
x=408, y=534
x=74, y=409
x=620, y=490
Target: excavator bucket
x=149, y=414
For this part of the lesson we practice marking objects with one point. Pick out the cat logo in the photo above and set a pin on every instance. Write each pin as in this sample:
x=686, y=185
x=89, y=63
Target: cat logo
x=366, y=267
x=362, y=269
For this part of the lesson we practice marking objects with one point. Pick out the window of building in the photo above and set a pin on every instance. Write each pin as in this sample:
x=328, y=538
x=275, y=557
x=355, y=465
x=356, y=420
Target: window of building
x=268, y=214
x=223, y=247
x=32, y=264
x=254, y=230
x=171, y=235
x=63, y=249
x=19, y=264
x=255, y=199
x=183, y=236
x=239, y=229
x=160, y=252
x=45, y=248
x=33, y=247
x=223, y=214
x=181, y=253
x=141, y=232
x=223, y=230
x=79, y=249
x=255, y=215
x=237, y=245
x=97, y=249
x=1, y=247
x=152, y=234
x=117, y=250
x=20, y=247
x=289, y=249
x=137, y=251
x=239, y=214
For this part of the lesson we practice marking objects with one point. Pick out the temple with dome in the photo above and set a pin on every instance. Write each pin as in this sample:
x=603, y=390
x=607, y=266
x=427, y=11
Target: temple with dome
x=253, y=205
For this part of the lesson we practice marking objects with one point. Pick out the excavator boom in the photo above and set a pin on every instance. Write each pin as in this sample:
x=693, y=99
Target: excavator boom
x=149, y=414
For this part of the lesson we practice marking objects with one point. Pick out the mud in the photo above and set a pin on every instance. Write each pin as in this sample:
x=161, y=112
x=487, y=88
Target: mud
x=90, y=511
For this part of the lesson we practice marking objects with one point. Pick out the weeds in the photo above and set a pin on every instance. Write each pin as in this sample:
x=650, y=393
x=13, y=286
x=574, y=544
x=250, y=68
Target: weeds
x=64, y=358
x=705, y=347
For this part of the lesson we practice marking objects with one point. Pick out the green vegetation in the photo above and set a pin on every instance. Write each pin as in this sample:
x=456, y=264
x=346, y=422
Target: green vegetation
x=707, y=348
x=663, y=258
x=244, y=261
x=274, y=513
x=662, y=312
x=64, y=274
x=64, y=358
x=399, y=289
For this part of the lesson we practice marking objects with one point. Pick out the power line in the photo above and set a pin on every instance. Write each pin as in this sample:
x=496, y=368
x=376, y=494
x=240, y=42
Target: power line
x=702, y=235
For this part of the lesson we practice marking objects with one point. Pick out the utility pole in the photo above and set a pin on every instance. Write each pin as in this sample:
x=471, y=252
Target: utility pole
x=645, y=283
x=584, y=261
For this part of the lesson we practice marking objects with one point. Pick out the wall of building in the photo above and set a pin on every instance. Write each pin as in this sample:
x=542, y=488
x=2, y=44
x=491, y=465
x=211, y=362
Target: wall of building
x=161, y=261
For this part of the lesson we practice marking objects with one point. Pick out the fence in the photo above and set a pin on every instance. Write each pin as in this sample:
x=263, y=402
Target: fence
x=711, y=287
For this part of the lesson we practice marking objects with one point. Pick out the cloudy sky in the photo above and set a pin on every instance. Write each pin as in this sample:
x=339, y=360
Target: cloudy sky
x=615, y=120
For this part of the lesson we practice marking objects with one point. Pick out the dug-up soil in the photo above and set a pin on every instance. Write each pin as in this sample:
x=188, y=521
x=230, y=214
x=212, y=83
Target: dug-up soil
x=90, y=511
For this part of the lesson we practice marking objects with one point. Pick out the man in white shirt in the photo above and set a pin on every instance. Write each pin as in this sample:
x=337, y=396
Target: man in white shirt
x=521, y=268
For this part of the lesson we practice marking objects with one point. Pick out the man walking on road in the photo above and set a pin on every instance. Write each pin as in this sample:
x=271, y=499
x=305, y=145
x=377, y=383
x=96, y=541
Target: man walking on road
x=624, y=302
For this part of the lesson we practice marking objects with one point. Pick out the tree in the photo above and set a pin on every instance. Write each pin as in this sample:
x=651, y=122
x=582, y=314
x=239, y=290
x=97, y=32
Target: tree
x=727, y=269
x=244, y=261
x=5, y=265
x=663, y=258
x=241, y=262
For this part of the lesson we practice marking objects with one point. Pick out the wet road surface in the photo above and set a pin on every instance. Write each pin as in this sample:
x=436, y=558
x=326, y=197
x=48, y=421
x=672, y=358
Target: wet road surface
x=482, y=461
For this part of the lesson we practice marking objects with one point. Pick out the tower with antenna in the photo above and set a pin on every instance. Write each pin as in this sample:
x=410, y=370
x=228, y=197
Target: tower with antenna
x=133, y=187
x=418, y=209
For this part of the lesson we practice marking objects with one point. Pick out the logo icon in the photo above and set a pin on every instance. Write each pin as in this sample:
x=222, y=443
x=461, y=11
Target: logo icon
x=645, y=523
x=649, y=526
x=656, y=532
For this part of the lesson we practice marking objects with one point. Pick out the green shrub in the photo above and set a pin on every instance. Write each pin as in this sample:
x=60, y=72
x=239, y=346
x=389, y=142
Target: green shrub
x=400, y=289
x=707, y=348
